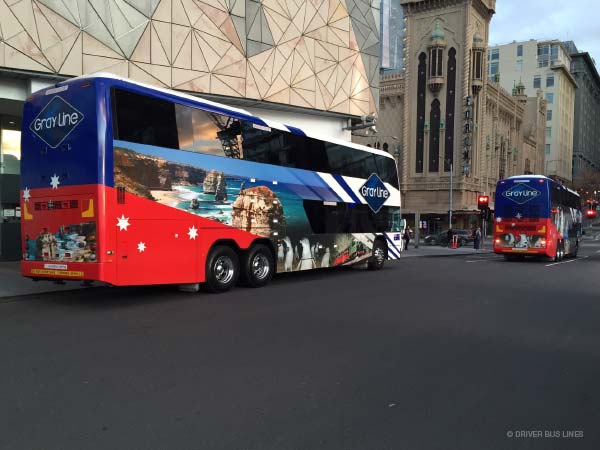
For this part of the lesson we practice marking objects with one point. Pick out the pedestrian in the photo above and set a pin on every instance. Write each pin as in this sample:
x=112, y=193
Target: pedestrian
x=477, y=241
x=406, y=237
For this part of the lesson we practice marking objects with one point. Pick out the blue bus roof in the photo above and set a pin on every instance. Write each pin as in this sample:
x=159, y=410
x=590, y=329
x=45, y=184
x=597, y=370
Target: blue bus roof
x=193, y=100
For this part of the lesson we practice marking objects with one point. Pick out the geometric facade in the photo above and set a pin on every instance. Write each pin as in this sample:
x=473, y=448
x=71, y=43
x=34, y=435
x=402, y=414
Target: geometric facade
x=319, y=54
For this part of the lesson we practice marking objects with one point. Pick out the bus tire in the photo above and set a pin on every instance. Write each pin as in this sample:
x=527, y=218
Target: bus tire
x=222, y=269
x=377, y=261
x=258, y=266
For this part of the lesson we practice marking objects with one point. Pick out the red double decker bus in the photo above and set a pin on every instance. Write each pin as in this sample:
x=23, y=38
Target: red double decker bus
x=536, y=216
x=131, y=184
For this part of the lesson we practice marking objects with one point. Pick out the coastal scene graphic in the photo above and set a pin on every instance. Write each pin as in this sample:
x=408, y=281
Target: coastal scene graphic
x=212, y=193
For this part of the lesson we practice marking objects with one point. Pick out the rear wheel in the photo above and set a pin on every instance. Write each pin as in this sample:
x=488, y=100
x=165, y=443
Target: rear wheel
x=222, y=269
x=377, y=260
x=258, y=266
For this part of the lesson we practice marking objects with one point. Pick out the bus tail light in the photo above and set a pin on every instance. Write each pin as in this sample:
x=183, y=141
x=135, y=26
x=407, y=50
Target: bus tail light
x=497, y=241
x=543, y=242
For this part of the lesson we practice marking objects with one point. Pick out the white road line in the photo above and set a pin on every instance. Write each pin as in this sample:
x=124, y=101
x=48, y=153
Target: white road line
x=566, y=262
x=478, y=260
x=597, y=251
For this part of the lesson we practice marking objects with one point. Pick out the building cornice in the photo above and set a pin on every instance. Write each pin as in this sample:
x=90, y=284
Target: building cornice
x=562, y=68
x=589, y=63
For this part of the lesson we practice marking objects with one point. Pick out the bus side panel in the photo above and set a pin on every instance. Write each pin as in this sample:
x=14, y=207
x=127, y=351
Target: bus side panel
x=153, y=243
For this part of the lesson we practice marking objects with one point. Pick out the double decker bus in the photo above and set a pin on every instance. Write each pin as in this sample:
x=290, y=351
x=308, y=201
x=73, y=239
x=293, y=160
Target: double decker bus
x=535, y=215
x=130, y=184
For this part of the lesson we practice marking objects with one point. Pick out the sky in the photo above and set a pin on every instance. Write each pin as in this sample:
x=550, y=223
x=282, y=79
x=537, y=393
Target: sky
x=521, y=20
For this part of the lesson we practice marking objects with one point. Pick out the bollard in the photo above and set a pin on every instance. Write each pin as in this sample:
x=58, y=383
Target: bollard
x=454, y=241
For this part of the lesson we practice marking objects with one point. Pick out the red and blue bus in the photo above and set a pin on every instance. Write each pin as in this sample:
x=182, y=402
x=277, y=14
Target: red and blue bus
x=131, y=184
x=535, y=215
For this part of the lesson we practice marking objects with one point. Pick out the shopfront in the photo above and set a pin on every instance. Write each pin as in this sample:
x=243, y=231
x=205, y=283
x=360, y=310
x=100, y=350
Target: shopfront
x=10, y=211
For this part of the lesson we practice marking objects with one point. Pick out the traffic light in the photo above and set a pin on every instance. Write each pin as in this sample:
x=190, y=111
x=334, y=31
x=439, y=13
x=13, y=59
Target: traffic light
x=483, y=202
x=485, y=214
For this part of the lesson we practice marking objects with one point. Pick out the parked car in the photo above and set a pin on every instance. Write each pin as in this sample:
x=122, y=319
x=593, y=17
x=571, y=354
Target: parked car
x=465, y=237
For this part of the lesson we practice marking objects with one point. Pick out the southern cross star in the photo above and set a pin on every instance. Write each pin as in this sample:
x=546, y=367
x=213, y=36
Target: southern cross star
x=123, y=222
x=193, y=233
x=54, y=181
x=141, y=247
x=26, y=194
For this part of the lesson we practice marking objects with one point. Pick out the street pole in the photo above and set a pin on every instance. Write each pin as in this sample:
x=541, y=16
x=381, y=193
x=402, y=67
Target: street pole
x=451, y=193
x=417, y=228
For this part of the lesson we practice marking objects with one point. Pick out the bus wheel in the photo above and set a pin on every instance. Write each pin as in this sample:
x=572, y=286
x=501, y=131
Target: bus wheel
x=378, y=259
x=508, y=257
x=222, y=269
x=258, y=266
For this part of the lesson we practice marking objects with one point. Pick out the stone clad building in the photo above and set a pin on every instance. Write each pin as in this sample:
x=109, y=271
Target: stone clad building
x=443, y=113
x=445, y=65
x=586, y=143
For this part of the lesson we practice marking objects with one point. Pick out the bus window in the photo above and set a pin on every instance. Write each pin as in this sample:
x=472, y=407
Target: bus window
x=144, y=120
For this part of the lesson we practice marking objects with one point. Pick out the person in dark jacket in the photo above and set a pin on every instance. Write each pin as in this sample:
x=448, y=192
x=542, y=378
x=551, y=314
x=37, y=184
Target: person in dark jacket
x=477, y=236
x=406, y=237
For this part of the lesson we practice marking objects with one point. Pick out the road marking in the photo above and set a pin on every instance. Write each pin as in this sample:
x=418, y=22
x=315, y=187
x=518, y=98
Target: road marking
x=597, y=251
x=566, y=262
x=478, y=260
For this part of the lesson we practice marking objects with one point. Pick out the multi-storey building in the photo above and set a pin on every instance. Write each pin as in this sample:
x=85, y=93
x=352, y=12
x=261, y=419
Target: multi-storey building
x=542, y=65
x=425, y=123
x=586, y=142
x=314, y=63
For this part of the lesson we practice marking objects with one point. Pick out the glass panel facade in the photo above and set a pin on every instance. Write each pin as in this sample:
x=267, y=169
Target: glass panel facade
x=10, y=145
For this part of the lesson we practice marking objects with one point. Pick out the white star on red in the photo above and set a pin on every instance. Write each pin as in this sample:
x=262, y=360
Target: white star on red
x=123, y=222
x=193, y=233
x=141, y=247
x=26, y=194
x=54, y=182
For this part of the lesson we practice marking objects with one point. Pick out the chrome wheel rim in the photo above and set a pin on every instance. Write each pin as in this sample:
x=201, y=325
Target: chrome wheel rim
x=379, y=255
x=260, y=266
x=224, y=269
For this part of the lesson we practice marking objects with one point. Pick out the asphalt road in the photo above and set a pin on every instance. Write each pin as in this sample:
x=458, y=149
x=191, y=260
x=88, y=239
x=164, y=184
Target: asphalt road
x=429, y=353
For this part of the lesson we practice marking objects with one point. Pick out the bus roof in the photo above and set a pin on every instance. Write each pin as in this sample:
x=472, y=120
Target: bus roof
x=544, y=177
x=221, y=107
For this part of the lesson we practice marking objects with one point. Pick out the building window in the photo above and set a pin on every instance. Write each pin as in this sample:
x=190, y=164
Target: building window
x=549, y=97
x=549, y=115
x=550, y=80
x=10, y=145
x=519, y=51
x=494, y=68
x=436, y=65
x=548, y=133
x=519, y=66
x=537, y=82
x=495, y=54
x=547, y=149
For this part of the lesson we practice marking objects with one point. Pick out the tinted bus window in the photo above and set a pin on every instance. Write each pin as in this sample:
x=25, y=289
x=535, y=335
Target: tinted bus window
x=348, y=218
x=147, y=120
x=144, y=120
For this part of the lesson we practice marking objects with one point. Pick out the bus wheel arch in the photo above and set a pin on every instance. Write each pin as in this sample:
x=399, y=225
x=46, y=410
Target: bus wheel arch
x=258, y=264
x=222, y=268
x=380, y=254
